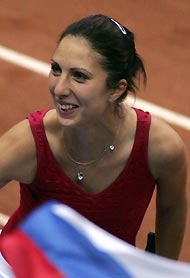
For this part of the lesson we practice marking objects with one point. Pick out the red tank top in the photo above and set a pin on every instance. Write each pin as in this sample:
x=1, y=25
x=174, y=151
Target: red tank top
x=119, y=208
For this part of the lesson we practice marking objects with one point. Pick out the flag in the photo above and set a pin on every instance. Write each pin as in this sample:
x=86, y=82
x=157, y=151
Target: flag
x=57, y=242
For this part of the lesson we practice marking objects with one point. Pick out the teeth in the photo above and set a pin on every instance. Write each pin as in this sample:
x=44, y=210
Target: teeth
x=67, y=106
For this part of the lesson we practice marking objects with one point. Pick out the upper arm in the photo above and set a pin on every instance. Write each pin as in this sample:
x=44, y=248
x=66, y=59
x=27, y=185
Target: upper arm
x=18, y=154
x=168, y=163
x=167, y=159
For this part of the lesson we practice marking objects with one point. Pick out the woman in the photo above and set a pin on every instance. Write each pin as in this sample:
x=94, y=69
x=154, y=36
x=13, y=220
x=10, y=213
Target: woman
x=93, y=152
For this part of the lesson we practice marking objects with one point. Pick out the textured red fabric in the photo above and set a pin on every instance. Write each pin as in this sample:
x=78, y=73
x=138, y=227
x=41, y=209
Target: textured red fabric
x=18, y=249
x=119, y=208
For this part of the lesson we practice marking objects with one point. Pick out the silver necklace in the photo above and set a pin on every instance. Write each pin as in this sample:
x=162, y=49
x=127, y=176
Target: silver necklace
x=80, y=174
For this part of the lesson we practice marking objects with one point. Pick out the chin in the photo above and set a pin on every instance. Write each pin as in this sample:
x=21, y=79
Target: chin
x=65, y=122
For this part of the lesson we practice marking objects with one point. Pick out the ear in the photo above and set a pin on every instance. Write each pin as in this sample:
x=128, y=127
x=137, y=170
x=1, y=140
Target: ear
x=118, y=91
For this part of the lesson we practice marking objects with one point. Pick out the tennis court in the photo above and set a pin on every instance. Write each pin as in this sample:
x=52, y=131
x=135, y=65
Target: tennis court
x=162, y=30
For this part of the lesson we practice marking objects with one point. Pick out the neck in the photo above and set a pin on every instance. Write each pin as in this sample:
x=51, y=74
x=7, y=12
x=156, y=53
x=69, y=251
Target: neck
x=87, y=143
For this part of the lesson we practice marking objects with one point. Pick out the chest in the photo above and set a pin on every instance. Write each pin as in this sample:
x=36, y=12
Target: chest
x=98, y=175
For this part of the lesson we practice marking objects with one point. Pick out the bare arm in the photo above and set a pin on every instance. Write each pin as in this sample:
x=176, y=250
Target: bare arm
x=18, y=155
x=169, y=168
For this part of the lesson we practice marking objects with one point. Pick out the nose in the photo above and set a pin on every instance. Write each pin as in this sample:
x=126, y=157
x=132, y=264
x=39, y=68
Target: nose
x=62, y=87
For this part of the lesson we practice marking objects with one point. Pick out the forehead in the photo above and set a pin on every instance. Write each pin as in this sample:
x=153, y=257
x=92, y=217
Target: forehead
x=78, y=52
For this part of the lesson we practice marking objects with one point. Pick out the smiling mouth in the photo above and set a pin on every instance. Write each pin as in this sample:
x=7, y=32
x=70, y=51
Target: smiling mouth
x=67, y=107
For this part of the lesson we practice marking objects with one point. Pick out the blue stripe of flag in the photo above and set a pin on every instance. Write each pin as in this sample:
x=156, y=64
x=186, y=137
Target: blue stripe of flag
x=68, y=249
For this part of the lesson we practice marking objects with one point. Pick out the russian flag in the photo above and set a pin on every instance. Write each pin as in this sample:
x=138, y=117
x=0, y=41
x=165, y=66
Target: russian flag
x=57, y=242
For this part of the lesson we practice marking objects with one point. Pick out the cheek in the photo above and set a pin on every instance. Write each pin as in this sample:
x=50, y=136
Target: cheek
x=51, y=84
x=98, y=99
x=98, y=89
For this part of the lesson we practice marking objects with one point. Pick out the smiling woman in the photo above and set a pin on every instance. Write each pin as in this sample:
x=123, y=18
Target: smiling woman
x=77, y=82
x=92, y=152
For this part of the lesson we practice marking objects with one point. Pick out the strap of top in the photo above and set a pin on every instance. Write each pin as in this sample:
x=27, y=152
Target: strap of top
x=38, y=131
x=36, y=124
x=142, y=136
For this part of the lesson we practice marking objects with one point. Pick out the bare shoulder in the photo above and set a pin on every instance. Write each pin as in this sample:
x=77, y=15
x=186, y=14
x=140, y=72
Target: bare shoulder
x=166, y=148
x=18, y=136
x=18, y=153
x=51, y=122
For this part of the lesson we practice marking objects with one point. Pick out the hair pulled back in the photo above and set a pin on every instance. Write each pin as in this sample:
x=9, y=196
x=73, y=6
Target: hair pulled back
x=116, y=45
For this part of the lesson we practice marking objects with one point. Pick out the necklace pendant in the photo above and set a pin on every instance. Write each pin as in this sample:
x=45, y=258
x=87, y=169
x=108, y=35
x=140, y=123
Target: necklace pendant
x=80, y=176
x=111, y=147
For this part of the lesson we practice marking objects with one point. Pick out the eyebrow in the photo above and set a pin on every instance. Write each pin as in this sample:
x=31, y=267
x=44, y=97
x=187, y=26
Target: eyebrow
x=75, y=69
x=53, y=61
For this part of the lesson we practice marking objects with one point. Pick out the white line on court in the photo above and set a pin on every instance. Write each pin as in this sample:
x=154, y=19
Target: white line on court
x=3, y=219
x=40, y=67
x=24, y=61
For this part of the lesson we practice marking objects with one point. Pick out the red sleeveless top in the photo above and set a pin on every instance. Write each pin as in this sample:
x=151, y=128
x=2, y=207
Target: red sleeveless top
x=119, y=208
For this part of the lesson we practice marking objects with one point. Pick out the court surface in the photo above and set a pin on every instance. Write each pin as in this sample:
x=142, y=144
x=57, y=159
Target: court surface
x=162, y=30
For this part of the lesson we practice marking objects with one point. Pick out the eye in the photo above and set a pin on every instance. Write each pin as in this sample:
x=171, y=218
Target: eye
x=55, y=69
x=80, y=77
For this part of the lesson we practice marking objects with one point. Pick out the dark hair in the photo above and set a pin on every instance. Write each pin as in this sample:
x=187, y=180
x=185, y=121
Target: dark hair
x=116, y=45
